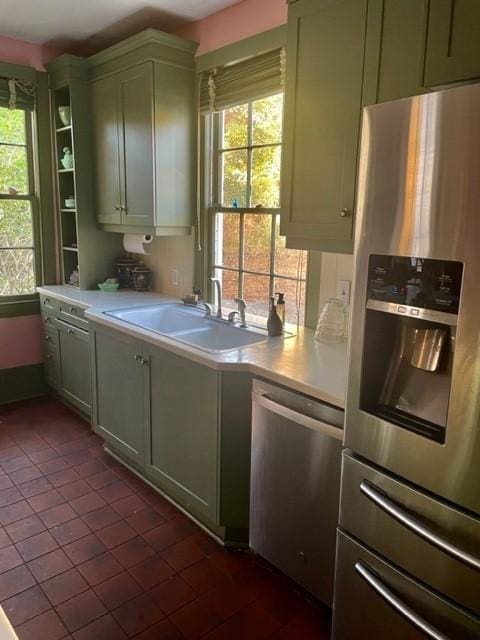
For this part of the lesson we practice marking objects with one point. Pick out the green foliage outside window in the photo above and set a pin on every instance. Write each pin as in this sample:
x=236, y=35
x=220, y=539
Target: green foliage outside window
x=17, y=274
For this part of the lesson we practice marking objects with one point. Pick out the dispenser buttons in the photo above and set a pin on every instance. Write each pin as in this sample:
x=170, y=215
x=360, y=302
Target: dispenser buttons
x=402, y=310
x=414, y=312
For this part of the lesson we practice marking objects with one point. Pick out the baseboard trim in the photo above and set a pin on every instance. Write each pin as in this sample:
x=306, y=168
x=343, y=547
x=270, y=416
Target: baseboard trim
x=22, y=383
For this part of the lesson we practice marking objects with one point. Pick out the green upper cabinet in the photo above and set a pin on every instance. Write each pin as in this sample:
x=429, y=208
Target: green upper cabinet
x=143, y=112
x=119, y=376
x=122, y=107
x=453, y=42
x=323, y=96
x=395, y=49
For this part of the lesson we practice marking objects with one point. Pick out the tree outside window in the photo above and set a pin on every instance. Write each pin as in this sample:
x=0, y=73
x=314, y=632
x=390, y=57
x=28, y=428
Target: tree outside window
x=17, y=269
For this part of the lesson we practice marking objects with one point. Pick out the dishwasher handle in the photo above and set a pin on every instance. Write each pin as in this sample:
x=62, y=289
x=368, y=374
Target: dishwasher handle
x=299, y=418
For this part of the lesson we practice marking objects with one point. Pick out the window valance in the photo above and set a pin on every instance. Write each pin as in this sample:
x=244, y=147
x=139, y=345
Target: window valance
x=239, y=82
x=17, y=94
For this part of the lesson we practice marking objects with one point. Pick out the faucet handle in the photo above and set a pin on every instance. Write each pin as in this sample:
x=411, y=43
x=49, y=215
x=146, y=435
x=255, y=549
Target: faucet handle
x=208, y=308
x=231, y=316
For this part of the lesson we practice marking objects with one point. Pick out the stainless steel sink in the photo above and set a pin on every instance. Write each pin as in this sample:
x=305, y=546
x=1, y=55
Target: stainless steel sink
x=190, y=326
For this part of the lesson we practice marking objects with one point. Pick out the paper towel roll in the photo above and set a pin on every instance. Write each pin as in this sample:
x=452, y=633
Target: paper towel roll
x=135, y=242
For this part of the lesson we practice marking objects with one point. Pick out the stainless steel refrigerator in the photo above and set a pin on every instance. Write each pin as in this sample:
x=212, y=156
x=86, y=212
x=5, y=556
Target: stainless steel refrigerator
x=408, y=543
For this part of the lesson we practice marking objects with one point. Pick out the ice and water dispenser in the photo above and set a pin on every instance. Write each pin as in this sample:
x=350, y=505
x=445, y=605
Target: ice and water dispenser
x=410, y=327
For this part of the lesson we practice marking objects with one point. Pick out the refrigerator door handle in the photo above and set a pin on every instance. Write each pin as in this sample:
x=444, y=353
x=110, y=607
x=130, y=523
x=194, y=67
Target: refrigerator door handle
x=406, y=612
x=299, y=418
x=402, y=516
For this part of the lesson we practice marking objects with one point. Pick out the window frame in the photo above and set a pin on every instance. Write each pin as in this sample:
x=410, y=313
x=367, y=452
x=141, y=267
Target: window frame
x=43, y=206
x=32, y=198
x=214, y=159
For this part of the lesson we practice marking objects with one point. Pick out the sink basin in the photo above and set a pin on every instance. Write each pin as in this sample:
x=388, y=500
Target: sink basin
x=190, y=326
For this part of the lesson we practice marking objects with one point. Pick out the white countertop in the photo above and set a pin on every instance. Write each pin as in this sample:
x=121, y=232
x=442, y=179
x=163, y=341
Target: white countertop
x=300, y=363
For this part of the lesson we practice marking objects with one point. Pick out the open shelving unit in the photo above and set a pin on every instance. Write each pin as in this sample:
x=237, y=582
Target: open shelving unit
x=82, y=246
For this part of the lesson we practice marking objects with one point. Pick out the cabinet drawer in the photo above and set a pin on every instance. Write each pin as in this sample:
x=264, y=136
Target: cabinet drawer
x=72, y=314
x=48, y=304
x=399, y=521
x=374, y=600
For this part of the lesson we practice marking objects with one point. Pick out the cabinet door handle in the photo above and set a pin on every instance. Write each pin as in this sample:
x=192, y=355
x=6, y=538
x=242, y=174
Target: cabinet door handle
x=71, y=332
x=123, y=209
x=48, y=320
x=137, y=357
x=344, y=213
x=46, y=301
x=49, y=357
x=144, y=362
x=73, y=310
x=117, y=208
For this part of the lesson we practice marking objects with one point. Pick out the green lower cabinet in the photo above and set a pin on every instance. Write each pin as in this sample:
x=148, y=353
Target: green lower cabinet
x=74, y=365
x=183, y=451
x=184, y=426
x=119, y=381
x=453, y=42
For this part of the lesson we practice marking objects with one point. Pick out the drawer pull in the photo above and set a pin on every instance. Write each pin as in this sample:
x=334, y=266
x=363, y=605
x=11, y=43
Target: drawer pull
x=405, y=518
x=73, y=310
x=406, y=612
x=71, y=332
x=47, y=338
x=49, y=357
x=46, y=301
x=48, y=320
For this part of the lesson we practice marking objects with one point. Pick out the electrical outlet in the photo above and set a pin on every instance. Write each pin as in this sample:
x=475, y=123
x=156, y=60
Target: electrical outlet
x=343, y=290
x=175, y=277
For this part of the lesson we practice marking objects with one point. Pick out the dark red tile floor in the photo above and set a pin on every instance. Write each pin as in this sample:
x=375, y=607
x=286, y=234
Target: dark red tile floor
x=89, y=552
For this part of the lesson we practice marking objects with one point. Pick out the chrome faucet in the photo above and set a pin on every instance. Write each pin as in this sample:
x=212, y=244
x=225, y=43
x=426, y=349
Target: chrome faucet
x=218, y=284
x=242, y=307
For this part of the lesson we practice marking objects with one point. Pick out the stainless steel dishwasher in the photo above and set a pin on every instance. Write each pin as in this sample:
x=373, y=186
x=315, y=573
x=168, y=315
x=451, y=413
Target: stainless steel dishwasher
x=295, y=485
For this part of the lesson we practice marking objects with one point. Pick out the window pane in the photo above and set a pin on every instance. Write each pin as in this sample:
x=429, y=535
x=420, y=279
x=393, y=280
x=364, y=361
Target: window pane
x=257, y=242
x=15, y=224
x=255, y=294
x=17, y=274
x=227, y=239
x=229, y=280
x=267, y=120
x=291, y=290
x=235, y=127
x=12, y=126
x=288, y=262
x=13, y=170
x=266, y=177
x=234, y=169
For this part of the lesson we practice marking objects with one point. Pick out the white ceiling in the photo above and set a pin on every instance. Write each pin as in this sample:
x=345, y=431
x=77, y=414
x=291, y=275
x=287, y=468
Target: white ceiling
x=96, y=22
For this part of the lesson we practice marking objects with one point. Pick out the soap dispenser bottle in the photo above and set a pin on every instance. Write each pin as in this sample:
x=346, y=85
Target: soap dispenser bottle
x=274, y=324
x=281, y=306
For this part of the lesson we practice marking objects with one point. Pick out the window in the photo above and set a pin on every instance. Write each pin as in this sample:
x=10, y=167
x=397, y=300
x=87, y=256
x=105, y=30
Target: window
x=249, y=255
x=17, y=201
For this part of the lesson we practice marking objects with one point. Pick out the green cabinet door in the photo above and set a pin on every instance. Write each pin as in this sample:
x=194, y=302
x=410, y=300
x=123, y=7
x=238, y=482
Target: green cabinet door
x=135, y=96
x=325, y=54
x=453, y=42
x=119, y=375
x=74, y=365
x=106, y=150
x=183, y=455
x=395, y=49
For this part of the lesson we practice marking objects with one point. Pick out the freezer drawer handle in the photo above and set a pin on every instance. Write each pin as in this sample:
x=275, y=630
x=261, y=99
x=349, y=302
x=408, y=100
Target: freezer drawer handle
x=402, y=516
x=299, y=418
x=401, y=608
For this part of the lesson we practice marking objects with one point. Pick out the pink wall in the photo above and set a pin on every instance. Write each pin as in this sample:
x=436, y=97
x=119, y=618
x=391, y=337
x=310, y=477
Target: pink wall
x=20, y=341
x=27, y=53
x=242, y=20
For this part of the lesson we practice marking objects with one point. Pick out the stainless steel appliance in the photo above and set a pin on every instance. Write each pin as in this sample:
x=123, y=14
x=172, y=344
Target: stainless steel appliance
x=408, y=559
x=295, y=485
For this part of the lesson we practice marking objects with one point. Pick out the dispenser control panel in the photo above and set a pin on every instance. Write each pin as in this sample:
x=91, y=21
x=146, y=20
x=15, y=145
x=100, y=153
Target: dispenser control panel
x=416, y=282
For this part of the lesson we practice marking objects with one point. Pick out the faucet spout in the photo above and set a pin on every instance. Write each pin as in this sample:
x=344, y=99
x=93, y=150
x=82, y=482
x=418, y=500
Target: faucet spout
x=218, y=285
